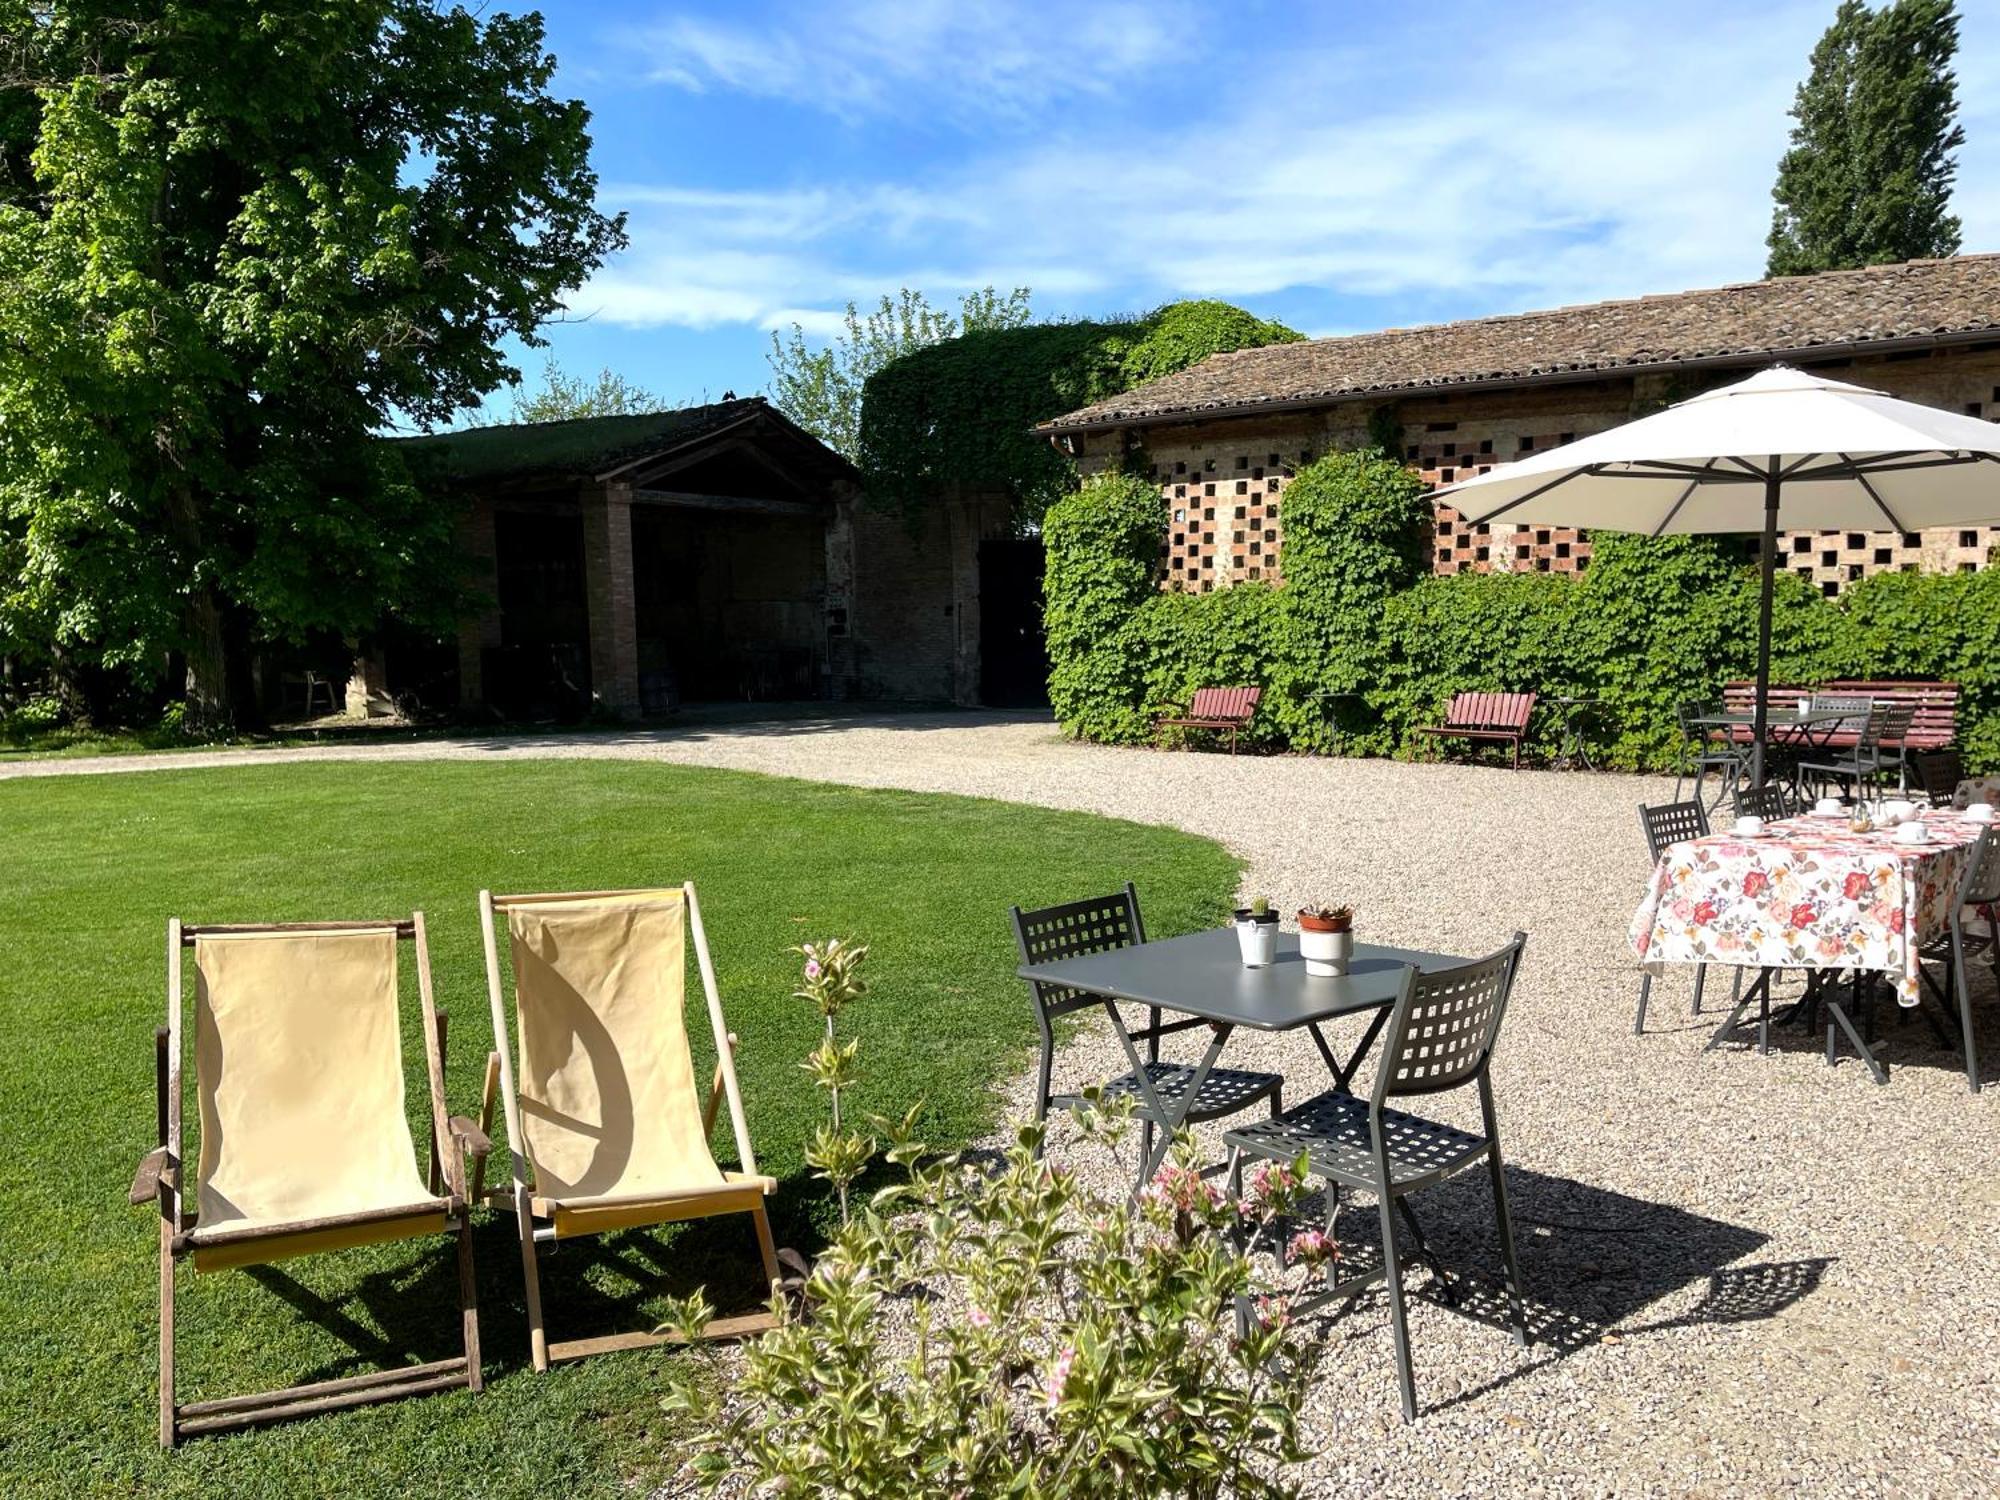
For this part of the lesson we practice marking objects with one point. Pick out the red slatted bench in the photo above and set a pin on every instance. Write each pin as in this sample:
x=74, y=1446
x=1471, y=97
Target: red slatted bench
x=1934, y=727
x=1226, y=710
x=1486, y=716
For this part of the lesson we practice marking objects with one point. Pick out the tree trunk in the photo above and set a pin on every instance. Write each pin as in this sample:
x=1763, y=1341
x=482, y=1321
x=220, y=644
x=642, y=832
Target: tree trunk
x=208, y=684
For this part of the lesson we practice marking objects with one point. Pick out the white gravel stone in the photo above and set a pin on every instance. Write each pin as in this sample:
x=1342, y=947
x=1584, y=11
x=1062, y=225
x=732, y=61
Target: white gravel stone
x=1748, y=1275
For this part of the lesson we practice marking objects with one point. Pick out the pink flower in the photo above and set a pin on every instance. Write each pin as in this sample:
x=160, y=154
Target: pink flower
x=978, y=1318
x=813, y=970
x=1058, y=1377
x=1271, y=1313
x=1313, y=1247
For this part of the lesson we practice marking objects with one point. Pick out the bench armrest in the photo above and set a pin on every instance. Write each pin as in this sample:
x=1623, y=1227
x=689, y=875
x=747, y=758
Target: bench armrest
x=156, y=1167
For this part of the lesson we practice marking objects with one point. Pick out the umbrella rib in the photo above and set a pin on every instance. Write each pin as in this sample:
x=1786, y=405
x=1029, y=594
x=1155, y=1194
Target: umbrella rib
x=1668, y=519
x=1533, y=494
x=1873, y=494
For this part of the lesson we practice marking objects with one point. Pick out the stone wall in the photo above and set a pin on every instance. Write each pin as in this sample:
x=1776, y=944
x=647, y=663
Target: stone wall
x=1223, y=480
x=914, y=617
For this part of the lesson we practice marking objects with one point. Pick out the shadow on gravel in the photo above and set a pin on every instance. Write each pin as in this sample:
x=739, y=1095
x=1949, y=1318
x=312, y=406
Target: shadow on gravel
x=1594, y=1263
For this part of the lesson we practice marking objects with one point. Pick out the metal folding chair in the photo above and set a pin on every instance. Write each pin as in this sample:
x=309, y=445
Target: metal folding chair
x=1708, y=753
x=1979, y=891
x=1938, y=774
x=1666, y=824
x=1440, y=1037
x=1097, y=925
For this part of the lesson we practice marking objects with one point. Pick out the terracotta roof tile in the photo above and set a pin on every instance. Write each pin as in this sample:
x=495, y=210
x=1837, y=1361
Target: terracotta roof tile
x=1791, y=316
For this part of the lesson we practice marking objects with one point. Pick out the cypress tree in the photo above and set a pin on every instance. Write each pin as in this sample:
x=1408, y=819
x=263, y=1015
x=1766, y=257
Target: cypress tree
x=1867, y=179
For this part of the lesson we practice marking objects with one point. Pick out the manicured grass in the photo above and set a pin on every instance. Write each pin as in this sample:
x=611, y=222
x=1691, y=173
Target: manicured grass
x=91, y=867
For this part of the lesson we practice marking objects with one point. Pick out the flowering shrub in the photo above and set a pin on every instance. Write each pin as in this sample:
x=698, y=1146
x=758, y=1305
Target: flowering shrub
x=830, y=982
x=1010, y=1331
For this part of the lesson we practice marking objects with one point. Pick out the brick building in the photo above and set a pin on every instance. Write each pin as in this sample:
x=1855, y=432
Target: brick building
x=1222, y=437
x=716, y=552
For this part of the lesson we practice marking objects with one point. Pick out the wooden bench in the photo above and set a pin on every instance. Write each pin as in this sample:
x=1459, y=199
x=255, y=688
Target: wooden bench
x=1934, y=726
x=1226, y=710
x=1486, y=716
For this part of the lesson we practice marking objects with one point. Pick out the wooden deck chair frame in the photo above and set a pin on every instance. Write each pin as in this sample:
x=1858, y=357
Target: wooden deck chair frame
x=744, y=1191
x=163, y=1178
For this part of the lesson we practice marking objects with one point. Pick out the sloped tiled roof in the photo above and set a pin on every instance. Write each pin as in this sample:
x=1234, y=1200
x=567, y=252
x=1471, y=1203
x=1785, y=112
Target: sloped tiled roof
x=1795, y=316
x=587, y=446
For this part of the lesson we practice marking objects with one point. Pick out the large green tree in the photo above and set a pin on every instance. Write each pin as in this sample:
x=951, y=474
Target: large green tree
x=237, y=239
x=1867, y=179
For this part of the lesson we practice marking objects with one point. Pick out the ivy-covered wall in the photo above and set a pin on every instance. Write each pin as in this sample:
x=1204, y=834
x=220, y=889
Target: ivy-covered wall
x=1359, y=646
x=961, y=413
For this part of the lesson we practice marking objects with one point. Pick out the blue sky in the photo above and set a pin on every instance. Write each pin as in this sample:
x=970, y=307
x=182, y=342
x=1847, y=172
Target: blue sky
x=1341, y=166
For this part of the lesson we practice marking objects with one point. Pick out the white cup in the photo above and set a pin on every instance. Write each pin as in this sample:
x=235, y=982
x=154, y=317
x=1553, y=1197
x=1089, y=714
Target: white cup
x=1749, y=827
x=1980, y=812
x=1912, y=833
x=1805, y=707
x=1829, y=807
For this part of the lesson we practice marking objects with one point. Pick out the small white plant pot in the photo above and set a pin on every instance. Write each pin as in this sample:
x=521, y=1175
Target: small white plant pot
x=1326, y=953
x=1258, y=942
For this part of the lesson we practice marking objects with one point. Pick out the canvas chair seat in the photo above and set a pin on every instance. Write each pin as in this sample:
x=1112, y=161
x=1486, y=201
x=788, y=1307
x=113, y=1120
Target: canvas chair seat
x=603, y=1106
x=302, y=1124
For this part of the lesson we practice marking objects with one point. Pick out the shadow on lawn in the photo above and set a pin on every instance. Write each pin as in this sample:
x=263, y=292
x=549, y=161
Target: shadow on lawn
x=1593, y=1263
x=591, y=1286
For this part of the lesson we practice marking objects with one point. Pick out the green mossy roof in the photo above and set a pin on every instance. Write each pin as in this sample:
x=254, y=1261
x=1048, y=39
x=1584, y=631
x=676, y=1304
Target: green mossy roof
x=572, y=449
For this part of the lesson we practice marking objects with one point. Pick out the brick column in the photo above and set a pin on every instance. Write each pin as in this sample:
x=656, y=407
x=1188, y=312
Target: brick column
x=843, y=670
x=607, y=584
x=479, y=631
x=368, y=685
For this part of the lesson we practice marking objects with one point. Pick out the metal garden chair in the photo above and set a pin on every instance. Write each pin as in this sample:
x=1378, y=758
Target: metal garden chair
x=1666, y=824
x=1440, y=1037
x=1709, y=752
x=1097, y=925
x=1874, y=728
x=1938, y=774
x=1978, y=891
x=1768, y=802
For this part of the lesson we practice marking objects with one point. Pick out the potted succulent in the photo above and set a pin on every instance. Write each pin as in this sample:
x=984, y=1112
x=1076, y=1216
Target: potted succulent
x=1257, y=934
x=1326, y=939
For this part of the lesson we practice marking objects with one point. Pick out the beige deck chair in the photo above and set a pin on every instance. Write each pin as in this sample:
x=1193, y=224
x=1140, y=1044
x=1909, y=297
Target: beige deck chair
x=606, y=1121
x=305, y=1145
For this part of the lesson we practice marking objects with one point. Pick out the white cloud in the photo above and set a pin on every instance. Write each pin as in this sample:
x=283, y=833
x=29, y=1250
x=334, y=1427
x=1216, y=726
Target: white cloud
x=1586, y=153
x=963, y=59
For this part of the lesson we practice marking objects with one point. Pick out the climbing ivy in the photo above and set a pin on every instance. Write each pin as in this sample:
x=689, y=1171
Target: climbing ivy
x=962, y=413
x=1359, y=646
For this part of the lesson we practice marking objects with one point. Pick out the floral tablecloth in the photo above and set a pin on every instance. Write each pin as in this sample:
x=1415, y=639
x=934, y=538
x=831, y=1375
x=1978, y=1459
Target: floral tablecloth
x=1978, y=789
x=1812, y=894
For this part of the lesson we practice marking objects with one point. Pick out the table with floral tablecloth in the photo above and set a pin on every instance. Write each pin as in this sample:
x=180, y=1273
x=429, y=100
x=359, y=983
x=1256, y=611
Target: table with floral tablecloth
x=1810, y=894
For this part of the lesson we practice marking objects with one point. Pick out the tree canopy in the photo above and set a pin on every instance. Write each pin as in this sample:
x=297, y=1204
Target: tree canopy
x=563, y=397
x=820, y=389
x=1868, y=177
x=237, y=239
x=962, y=412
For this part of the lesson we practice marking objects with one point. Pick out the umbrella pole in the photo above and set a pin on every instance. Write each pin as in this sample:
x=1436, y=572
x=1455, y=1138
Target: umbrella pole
x=1767, y=573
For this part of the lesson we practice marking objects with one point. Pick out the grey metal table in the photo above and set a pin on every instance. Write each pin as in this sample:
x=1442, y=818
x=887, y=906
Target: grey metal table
x=1202, y=975
x=1788, y=730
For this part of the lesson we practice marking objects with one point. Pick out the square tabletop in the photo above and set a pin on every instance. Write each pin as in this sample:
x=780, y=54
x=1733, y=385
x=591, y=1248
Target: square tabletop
x=1777, y=718
x=1202, y=975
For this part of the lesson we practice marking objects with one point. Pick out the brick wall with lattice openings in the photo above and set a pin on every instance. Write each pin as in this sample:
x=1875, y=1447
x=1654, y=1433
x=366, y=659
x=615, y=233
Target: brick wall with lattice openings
x=1457, y=547
x=1224, y=519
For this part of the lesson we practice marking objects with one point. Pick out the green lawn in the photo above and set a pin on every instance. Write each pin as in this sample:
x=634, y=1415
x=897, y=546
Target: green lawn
x=91, y=867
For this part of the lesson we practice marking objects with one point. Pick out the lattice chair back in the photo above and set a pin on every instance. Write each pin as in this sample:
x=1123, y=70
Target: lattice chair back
x=1442, y=1031
x=1767, y=802
x=1981, y=885
x=1855, y=705
x=1672, y=823
x=1888, y=722
x=1095, y=925
x=1939, y=772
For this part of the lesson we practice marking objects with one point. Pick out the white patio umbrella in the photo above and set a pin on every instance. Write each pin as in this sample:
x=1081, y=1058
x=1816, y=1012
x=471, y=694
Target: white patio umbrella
x=1783, y=450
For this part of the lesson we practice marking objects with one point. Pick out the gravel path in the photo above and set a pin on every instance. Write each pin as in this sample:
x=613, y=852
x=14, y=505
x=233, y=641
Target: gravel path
x=1747, y=1275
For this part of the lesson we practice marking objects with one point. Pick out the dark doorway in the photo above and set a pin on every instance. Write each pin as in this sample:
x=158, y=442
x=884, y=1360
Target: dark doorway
x=1013, y=655
x=542, y=669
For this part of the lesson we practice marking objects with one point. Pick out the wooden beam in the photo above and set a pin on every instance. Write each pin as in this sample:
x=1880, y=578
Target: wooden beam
x=739, y=504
